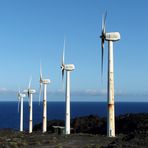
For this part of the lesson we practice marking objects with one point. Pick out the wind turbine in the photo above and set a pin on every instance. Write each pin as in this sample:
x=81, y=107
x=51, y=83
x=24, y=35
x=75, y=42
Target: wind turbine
x=110, y=38
x=30, y=93
x=20, y=109
x=68, y=68
x=44, y=82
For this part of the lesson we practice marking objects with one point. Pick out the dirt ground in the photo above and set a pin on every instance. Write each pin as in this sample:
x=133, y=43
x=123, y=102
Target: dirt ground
x=14, y=139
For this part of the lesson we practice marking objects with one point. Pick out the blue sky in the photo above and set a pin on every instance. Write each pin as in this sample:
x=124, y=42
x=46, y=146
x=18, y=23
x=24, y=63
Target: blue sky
x=31, y=30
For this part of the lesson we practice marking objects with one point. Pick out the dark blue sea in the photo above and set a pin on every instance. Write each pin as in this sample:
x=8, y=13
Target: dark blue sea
x=9, y=116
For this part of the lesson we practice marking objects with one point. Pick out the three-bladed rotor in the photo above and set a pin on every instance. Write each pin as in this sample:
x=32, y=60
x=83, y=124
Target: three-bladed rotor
x=65, y=67
x=29, y=90
x=63, y=59
x=20, y=96
x=103, y=36
x=42, y=81
x=19, y=99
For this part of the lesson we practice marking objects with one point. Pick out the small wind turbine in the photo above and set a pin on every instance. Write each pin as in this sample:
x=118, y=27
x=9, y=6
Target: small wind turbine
x=30, y=93
x=110, y=37
x=44, y=82
x=20, y=109
x=68, y=68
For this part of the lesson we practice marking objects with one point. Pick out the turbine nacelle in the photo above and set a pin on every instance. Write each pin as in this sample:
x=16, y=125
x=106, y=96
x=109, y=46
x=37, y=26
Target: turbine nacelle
x=68, y=67
x=20, y=95
x=45, y=81
x=112, y=36
x=30, y=91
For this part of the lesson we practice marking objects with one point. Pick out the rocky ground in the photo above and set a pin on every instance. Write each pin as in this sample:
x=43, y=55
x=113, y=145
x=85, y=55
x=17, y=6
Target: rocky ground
x=88, y=132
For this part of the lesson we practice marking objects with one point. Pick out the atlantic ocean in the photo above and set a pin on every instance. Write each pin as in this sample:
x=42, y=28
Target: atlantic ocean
x=9, y=116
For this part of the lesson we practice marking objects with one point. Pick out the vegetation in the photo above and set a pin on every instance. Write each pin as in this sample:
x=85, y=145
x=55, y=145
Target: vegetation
x=88, y=132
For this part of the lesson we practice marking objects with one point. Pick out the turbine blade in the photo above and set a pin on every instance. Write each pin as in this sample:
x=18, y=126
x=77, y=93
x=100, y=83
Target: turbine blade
x=40, y=94
x=103, y=40
x=40, y=71
x=19, y=90
x=18, y=105
x=29, y=102
x=62, y=74
x=102, y=56
x=63, y=78
x=30, y=83
x=28, y=94
x=63, y=56
x=104, y=22
x=63, y=60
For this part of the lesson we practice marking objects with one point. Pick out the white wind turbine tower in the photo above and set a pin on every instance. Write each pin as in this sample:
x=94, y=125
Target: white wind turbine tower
x=68, y=68
x=110, y=37
x=44, y=82
x=30, y=93
x=20, y=108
